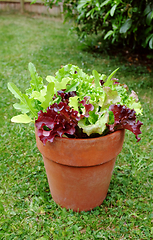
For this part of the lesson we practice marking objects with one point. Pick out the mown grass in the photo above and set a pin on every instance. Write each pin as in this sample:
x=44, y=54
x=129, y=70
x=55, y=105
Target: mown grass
x=27, y=210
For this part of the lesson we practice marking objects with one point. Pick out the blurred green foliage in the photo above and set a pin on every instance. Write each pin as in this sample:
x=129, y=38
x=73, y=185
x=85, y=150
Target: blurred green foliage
x=121, y=23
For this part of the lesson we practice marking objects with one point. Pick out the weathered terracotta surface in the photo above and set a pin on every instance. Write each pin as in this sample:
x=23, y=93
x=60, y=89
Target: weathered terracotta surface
x=79, y=170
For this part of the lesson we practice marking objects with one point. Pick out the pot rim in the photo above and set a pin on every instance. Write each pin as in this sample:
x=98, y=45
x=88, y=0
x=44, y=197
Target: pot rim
x=82, y=152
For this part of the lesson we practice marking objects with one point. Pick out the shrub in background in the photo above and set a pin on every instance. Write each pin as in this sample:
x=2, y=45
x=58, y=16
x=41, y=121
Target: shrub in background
x=125, y=23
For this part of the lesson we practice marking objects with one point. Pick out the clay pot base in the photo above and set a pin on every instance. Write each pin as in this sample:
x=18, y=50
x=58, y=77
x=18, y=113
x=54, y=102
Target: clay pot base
x=79, y=188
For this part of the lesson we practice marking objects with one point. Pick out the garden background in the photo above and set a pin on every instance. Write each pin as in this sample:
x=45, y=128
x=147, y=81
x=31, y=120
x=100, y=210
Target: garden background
x=27, y=210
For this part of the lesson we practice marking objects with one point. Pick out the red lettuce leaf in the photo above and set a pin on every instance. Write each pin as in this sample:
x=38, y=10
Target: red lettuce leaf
x=66, y=95
x=88, y=106
x=58, y=119
x=125, y=118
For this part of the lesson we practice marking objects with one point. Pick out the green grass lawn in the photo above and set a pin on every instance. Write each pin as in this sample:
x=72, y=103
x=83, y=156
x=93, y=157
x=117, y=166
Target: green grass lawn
x=27, y=210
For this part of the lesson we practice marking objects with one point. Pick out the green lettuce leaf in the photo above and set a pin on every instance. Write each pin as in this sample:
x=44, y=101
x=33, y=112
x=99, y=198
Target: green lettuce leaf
x=96, y=77
x=49, y=95
x=111, y=97
x=98, y=127
x=50, y=79
x=73, y=102
x=39, y=95
x=58, y=84
x=22, y=106
x=26, y=103
x=136, y=106
x=72, y=87
x=22, y=118
x=109, y=79
x=36, y=82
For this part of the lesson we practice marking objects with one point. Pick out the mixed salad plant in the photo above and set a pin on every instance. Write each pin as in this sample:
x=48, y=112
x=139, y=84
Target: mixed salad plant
x=77, y=105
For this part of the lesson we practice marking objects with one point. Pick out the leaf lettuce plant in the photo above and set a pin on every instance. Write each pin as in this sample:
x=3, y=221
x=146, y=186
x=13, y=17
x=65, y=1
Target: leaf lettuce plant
x=77, y=105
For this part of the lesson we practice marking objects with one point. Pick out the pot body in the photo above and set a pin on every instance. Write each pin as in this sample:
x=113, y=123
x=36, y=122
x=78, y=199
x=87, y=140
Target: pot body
x=79, y=170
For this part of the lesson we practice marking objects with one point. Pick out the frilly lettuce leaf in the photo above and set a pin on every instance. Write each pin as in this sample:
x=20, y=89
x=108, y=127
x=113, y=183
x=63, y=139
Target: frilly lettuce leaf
x=131, y=101
x=136, y=106
x=98, y=127
x=73, y=102
x=134, y=103
x=48, y=96
x=70, y=71
x=39, y=95
x=67, y=71
x=50, y=79
x=111, y=97
x=59, y=84
x=125, y=118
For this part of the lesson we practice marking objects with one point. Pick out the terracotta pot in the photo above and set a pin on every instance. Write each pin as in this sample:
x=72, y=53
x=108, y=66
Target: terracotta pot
x=79, y=170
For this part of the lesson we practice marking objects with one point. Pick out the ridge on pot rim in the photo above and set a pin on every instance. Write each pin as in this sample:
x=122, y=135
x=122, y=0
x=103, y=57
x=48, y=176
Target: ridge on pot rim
x=83, y=152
